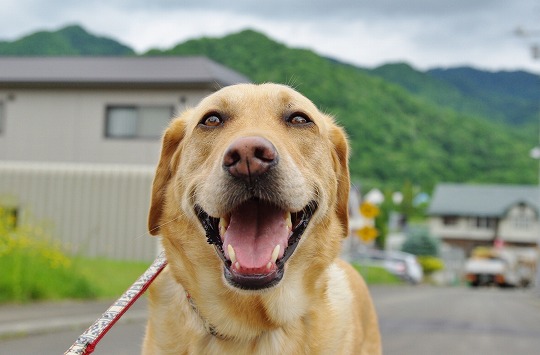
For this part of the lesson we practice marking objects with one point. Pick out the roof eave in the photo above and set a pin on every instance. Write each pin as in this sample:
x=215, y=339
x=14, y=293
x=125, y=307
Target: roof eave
x=154, y=85
x=440, y=213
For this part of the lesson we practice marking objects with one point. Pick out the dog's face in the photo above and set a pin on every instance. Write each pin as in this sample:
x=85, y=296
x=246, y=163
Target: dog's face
x=260, y=173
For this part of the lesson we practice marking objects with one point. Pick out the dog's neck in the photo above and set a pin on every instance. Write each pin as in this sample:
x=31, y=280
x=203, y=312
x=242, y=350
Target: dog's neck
x=209, y=327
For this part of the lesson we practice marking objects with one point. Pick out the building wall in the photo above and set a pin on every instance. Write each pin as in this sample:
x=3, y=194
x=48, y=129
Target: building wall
x=92, y=210
x=464, y=228
x=59, y=125
x=60, y=171
x=520, y=225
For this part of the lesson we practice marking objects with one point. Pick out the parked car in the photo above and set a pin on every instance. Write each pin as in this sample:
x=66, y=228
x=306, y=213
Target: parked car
x=403, y=265
x=497, y=267
x=488, y=271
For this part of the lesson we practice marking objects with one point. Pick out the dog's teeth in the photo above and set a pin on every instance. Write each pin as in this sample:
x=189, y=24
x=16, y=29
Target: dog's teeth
x=269, y=265
x=237, y=265
x=275, y=253
x=232, y=254
x=223, y=225
x=288, y=220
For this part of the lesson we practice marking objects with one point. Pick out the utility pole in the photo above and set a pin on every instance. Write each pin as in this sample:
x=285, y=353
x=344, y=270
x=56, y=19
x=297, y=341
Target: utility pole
x=535, y=47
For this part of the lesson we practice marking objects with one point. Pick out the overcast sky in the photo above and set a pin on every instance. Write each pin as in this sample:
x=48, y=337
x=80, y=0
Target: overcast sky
x=424, y=33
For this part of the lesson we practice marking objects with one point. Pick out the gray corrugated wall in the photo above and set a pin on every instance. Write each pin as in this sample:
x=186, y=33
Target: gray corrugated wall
x=94, y=210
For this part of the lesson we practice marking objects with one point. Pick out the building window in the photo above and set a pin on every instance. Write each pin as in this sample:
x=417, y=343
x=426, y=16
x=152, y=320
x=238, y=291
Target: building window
x=137, y=121
x=483, y=222
x=450, y=220
x=522, y=217
x=522, y=221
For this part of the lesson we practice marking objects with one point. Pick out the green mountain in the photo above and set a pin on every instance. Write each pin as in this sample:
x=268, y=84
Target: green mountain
x=515, y=94
x=403, y=125
x=68, y=41
x=395, y=135
x=510, y=97
x=431, y=89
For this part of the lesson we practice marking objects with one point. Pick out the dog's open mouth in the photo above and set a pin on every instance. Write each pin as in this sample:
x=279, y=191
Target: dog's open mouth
x=255, y=241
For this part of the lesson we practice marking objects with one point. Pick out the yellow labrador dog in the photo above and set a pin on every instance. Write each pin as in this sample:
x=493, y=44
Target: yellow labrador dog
x=250, y=197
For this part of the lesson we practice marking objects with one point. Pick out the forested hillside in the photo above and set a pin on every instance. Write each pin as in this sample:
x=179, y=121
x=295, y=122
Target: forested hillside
x=514, y=94
x=68, y=41
x=395, y=136
x=404, y=125
x=509, y=97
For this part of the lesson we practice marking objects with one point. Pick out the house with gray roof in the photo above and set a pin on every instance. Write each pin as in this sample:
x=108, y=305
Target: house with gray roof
x=98, y=109
x=80, y=139
x=467, y=216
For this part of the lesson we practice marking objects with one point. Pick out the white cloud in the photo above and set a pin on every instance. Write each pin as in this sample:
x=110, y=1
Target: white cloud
x=424, y=33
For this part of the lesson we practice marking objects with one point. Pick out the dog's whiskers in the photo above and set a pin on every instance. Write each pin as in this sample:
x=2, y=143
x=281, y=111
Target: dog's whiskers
x=292, y=82
x=158, y=227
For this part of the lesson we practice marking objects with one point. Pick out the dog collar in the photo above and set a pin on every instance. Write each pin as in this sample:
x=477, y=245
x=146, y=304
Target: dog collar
x=209, y=327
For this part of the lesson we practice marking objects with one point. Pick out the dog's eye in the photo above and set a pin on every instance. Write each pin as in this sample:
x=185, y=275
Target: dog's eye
x=298, y=119
x=212, y=120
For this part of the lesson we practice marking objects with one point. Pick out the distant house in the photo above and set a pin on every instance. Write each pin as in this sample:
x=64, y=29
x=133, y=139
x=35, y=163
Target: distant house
x=98, y=109
x=80, y=137
x=467, y=216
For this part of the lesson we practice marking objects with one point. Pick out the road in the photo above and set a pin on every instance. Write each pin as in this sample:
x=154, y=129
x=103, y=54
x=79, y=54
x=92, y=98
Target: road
x=123, y=339
x=414, y=320
x=428, y=320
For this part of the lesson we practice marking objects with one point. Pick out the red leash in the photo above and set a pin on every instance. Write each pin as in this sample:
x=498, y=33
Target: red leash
x=87, y=342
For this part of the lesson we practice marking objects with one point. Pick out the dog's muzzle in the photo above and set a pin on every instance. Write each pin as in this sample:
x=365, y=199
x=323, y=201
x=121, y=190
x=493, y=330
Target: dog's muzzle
x=255, y=241
x=257, y=235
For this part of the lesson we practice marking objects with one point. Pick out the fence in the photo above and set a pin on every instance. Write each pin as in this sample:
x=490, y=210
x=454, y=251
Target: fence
x=93, y=210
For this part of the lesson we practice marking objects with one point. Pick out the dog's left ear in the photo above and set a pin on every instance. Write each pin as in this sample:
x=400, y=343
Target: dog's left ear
x=340, y=156
x=164, y=172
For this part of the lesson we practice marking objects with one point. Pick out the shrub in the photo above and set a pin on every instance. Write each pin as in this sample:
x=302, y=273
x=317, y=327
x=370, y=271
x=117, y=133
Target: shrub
x=426, y=249
x=430, y=264
x=34, y=267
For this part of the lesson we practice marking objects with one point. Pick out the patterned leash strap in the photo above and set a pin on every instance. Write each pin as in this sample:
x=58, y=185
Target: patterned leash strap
x=86, y=343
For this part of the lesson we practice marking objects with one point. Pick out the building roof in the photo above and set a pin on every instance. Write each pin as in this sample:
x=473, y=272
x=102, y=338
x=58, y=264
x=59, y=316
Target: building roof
x=143, y=72
x=481, y=200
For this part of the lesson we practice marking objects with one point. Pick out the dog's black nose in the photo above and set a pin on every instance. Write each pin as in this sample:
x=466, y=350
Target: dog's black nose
x=249, y=157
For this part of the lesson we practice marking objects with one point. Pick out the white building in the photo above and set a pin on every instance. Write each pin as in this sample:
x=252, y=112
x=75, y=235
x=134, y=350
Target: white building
x=467, y=216
x=80, y=137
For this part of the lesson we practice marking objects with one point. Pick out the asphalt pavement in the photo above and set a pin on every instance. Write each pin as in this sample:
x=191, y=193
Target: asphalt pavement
x=427, y=320
x=418, y=320
x=51, y=327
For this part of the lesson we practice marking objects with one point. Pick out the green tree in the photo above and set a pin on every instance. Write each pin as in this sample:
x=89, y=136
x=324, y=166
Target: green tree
x=421, y=243
x=426, y=248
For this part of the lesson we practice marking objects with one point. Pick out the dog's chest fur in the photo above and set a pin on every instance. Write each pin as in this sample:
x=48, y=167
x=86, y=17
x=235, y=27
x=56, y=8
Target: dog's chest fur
x=289, y=307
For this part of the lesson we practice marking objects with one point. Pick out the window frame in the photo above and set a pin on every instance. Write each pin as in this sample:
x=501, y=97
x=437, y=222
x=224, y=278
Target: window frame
x=450, y=220
x=483, y=222
x=138, y=107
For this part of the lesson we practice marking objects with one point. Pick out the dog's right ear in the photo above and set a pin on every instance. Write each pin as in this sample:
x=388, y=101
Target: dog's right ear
x=164, y=172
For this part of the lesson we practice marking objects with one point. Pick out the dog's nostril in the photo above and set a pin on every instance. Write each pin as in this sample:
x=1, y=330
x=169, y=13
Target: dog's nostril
x=249, y=157
x=231, y=158
x=265, y=154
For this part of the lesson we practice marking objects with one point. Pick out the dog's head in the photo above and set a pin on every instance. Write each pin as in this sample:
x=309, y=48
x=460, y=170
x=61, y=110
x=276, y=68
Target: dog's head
x=259, y=172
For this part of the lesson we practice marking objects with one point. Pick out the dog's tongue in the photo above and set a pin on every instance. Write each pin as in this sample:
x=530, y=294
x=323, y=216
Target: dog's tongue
x=255, y=228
